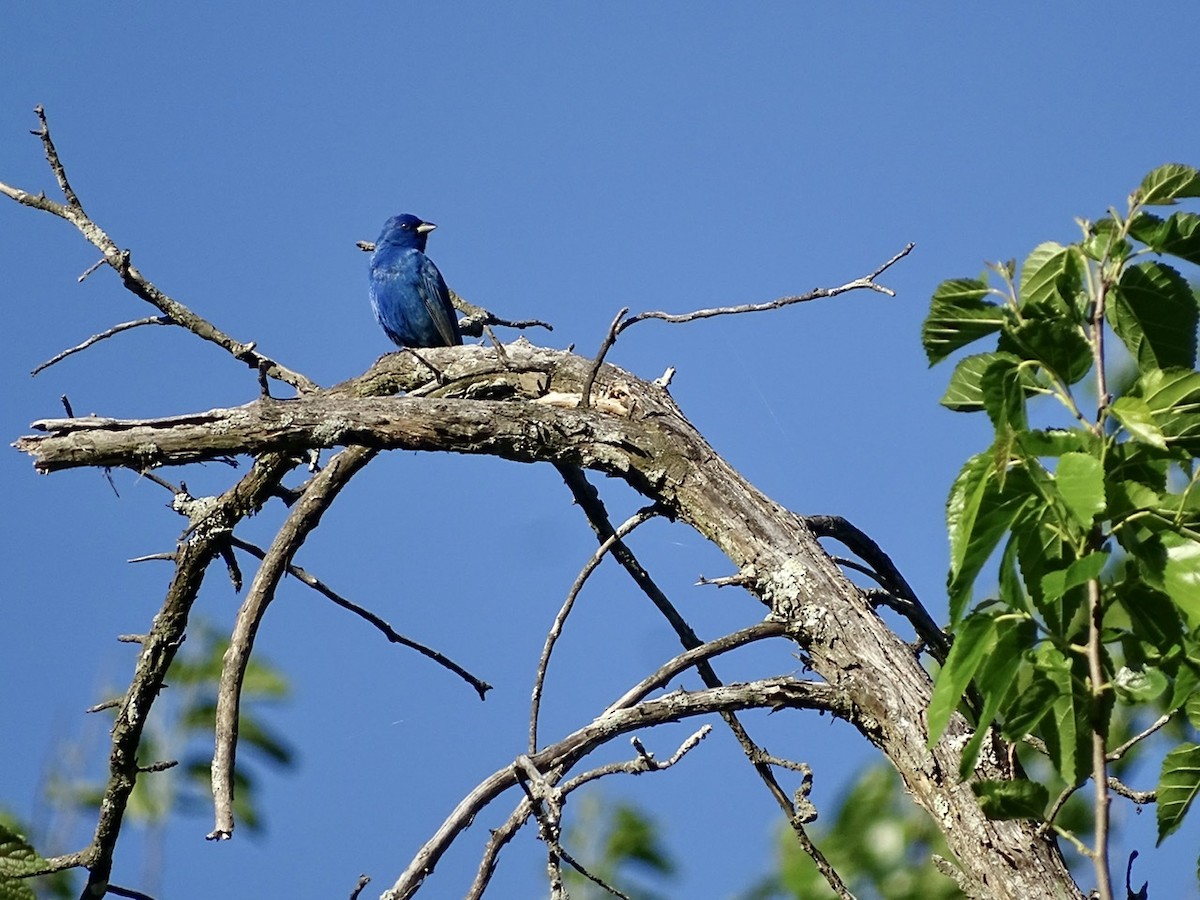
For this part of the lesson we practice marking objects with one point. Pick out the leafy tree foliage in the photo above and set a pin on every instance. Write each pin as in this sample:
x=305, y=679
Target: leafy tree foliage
x=1089, y=509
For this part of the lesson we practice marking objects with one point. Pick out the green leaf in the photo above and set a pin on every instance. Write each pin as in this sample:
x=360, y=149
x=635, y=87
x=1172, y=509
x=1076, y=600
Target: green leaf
x=1029, y=706
x=1135, y=417
x=1178, y=784
x=1178, y=235
x=1054, y=441
x=1019, y=799
x=993, y=680
x=1154, y=617
x=1104, y=241
x=17, y=858
x=1080, y=479
x=979, y=511
x=1068, y=731
x=1154, y=313
x=965, y=391
x=973, y=642
x=1181, y=574
x=1173, y=396
x=1081, y=571
x=958, y=315
x=1164, y=185
x=1005, y=384
x=1050, y=276
x=1056, y=344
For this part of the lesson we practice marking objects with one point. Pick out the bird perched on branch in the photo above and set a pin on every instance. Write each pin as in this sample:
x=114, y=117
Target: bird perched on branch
x=408, y=294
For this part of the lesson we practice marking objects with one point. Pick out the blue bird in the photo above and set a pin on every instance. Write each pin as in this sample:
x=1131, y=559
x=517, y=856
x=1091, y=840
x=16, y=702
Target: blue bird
x=408, y=294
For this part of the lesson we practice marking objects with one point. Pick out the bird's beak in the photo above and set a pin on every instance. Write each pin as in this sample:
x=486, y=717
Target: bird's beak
x=425, y=227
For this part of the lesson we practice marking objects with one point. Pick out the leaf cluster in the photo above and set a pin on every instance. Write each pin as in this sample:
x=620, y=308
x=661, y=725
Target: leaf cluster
x=1085, y=508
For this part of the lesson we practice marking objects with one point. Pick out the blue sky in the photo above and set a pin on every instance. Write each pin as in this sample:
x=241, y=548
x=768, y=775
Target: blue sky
x=578, y=159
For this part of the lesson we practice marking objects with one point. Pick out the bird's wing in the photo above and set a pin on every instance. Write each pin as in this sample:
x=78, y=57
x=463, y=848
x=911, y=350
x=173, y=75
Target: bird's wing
x=437, y=301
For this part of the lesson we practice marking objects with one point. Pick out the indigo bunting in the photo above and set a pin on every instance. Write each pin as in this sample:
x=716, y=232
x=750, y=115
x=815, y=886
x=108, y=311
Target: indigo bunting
x=408, y=294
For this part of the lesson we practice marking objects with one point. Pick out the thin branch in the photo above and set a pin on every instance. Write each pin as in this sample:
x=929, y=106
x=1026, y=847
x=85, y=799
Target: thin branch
x=1116, y=754
x=1141, y=798
x=547, y=800
x=481, y=687
x=133, y=280
x=303, y=517
x=96, y=338
x=866, y=282
x=771, y=693
x=560, y=620
x=768, y=628
x=118, y=891
x=363, y=881
x=585, y=394
x=904, y=599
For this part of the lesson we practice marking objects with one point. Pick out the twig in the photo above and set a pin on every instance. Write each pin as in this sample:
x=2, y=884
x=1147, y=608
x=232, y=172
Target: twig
x=481, y=687
x=1141, y=798
x=303, y=517
x=771, y=693
x=72, y=211
x=96, y=338
x=1116, y=754
x=546, y=801
x=867, y=281
x=560, y=620
x=119, y=891
x=768, y=628
x=363, y=881
x=585, y=394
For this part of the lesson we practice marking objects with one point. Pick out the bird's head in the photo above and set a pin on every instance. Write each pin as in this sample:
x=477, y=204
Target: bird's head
x=406, y=231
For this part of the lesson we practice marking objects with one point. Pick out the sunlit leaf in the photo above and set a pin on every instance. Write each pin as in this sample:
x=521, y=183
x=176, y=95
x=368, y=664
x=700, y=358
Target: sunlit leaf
x=1080, y=480
x=979, y=511
x=1081, y=571
x=1056, y=343
x=1050, y=276
x=958, y=315
x=993, y=680
x=1135, y=417
x=1167, y=183
x=1178, y=783
x=1178, y=235
x=972, y=643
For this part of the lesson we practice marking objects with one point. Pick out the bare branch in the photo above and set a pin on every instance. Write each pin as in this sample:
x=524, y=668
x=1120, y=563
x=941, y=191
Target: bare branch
x=158, y=650
x=481, y=687
x=585, y=393
x=589, y=500
x=96, y=338
x=774, y=693
x=866, y=282
x=133, y=280
x=303, y=517
x=904, y=599
x=1116, y=754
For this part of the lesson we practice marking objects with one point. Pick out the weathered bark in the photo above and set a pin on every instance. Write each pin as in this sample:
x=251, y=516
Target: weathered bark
x=523, y=408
